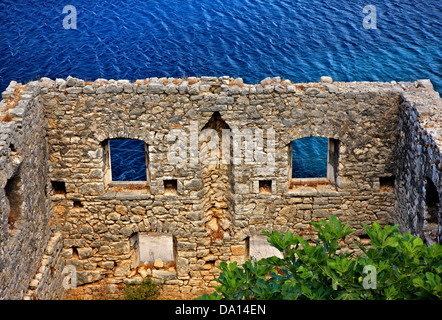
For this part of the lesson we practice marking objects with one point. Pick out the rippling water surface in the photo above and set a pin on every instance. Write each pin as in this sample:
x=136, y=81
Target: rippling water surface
x=309, y=157
x=299, y=40
x=128, y=160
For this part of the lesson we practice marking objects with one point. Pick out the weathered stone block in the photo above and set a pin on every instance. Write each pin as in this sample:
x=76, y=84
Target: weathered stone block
x=84, y=253
x=164, y=275
x=122, y=247
x=241, y=188
x=155, y=87
x=312, y=91
x=84, y=277
x=92, y=189
x=225, y=100
x=194, y=184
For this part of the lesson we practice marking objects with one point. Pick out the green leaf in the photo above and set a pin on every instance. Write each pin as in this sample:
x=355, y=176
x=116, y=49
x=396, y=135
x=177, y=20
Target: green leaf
x=391, y=293
x=212, y=296
x=341, y=265
x=382, y=238
x=405, y=268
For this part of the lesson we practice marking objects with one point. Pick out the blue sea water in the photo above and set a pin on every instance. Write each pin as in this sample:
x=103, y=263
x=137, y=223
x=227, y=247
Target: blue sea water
x=309, y=157
x=299, y=40
x=128, y=160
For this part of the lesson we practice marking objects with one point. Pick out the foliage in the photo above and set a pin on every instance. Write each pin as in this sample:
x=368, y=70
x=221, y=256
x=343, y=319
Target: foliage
x=146, y=290
x=395, y=267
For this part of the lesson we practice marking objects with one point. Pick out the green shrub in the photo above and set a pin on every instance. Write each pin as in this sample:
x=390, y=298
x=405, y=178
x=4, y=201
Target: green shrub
x=395, y=267
x=146, y=290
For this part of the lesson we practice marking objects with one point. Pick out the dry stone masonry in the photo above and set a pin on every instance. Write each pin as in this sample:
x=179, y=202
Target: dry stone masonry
x=419, y=168
x=30, y=246
x=60, y=207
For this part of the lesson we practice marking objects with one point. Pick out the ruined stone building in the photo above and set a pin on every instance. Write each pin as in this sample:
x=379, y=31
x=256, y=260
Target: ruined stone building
x=60, y=206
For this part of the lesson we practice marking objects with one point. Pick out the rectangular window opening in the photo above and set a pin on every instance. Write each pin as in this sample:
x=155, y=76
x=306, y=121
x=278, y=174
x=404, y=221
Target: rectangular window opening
x=364, y=239
x=59, y=187
x=125, y=160
x=386, y=184
x=247, y=241
x=265, y=186
x=14, y=200
x=77, y=204
x=313, y=160
x=431, y=215
x=125, y=165
x=170, y=186
x=259, y=248
x=364, y=236
x=157, y=249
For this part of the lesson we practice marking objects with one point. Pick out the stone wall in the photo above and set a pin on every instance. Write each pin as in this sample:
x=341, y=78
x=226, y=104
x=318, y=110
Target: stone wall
x=216, y=208
x=419, y=168
x=206, y=212
x=30, y=252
